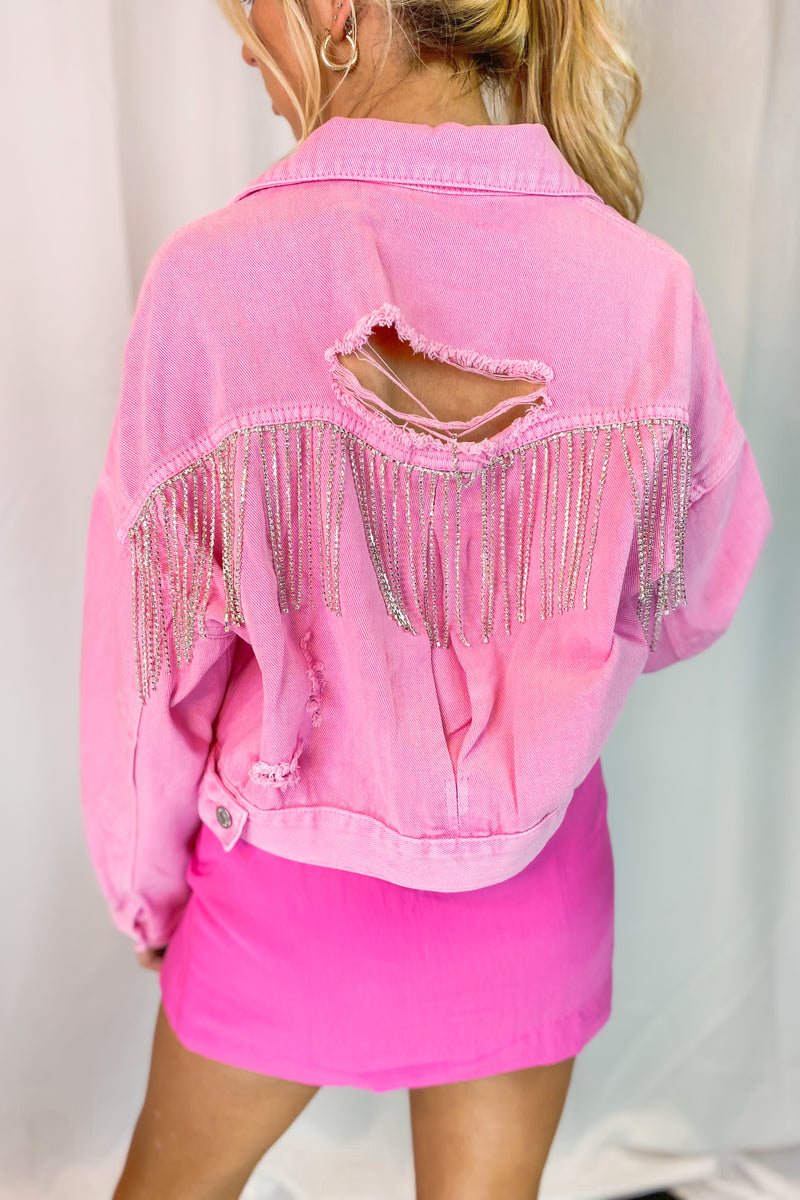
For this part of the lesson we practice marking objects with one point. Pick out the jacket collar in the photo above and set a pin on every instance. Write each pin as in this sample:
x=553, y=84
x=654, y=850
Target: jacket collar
x=488, y=158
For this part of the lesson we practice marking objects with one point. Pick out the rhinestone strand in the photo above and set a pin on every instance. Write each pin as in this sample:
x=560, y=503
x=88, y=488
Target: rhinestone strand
x=597, y=514
x=334, y=447
x=137, y=606
x=421, y=474
x=287, y=474
x=159, y=646
x=390, y=536
x=459, y=486
x=298, y=457
x=490, y=567
x=184, y=607
x=317, y=504
x=662, y=533
x=309, y=454
x=578, y=510
x=648, y=505
x=211, y=529
x=325, y=447
x=146, y=613
x=568, y=437
x=586, y=473
x=194, y=583
x=672, y=589
x=280, y=518
x=545, y=484
x=227, y=460
x=337, y=524
x=168, y=514
x=434, y=482
x=411, y=539
x=446, y=559
x=504, y=467
x=484, y=550
x=520, y=533
x=525, y=548
x=639, y=528
x=686, y=467
x=236, y=572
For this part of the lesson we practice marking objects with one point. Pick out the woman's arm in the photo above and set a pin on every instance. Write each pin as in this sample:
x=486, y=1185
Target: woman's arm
x=728, y=517
x=141, y=763
x=144, y=748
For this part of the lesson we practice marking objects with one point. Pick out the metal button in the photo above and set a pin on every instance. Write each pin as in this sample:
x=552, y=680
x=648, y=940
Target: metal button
x=224, y=817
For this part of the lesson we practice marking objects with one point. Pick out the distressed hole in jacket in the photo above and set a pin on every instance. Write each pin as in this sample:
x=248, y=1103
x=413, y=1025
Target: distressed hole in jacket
x=448, y=393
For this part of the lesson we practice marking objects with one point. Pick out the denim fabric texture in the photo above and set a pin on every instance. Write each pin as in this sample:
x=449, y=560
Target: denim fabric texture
x=374, y=643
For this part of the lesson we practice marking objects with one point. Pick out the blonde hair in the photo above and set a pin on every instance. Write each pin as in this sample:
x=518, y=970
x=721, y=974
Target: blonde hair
x=559, y=63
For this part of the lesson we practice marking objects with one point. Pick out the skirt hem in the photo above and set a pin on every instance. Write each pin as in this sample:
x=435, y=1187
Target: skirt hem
x=561, y=1040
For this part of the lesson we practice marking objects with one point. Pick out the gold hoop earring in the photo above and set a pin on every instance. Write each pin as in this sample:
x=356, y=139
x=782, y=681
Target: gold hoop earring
x=351, y=38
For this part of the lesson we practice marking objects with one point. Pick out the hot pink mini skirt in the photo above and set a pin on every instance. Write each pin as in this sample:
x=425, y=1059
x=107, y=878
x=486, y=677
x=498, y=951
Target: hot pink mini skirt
x=330, y=977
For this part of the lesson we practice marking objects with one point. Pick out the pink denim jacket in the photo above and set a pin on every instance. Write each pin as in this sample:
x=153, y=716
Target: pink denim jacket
x=390, y=649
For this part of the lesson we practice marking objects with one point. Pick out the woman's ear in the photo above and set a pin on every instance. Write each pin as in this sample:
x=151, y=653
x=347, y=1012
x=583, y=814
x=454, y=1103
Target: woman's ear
x=332, y=16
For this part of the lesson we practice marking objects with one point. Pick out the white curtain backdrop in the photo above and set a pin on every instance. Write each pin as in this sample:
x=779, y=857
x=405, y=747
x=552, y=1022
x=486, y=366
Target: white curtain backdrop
x=121, y=122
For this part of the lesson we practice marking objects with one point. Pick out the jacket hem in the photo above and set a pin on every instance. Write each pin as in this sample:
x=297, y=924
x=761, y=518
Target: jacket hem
x=348, y=841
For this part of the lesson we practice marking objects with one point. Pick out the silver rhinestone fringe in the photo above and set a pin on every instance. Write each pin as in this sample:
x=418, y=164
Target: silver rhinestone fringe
x=403, y=508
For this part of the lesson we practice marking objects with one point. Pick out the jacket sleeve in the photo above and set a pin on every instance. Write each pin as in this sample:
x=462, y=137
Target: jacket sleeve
x=727, y=519
x=143, y=751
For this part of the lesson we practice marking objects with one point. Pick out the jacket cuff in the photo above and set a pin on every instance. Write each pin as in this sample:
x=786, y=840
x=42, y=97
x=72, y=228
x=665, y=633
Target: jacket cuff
x=146, y=932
